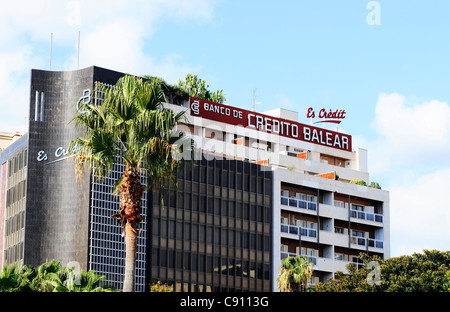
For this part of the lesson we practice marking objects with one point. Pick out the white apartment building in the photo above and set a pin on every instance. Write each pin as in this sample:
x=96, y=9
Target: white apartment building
x=316, y=211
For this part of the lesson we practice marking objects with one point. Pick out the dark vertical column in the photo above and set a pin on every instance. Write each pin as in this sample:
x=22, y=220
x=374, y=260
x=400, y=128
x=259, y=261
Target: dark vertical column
x=57, y=208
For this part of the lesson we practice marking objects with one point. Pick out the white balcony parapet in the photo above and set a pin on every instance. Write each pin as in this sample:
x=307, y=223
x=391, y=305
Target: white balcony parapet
x=285, y=254
x=294, y=229
x=324, y=264
x=366, y=215
x=312, y=206
x=367, y=242
x=298, y=203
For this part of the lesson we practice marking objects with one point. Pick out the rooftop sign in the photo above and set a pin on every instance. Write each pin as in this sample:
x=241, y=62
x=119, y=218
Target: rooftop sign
x=261, y=122
x=329, y=117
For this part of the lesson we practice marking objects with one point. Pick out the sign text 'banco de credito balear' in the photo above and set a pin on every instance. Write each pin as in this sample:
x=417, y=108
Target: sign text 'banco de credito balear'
x=261, y=122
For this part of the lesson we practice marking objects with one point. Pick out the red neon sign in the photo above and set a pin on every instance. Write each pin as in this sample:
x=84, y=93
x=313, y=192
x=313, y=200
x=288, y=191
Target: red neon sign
x=261, y=122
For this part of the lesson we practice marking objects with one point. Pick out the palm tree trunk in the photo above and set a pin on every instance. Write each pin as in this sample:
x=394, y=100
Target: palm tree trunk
x=130, y=256
x=131, y=192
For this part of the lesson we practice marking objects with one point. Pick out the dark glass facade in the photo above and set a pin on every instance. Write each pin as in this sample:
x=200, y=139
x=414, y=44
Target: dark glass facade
x=213, y=232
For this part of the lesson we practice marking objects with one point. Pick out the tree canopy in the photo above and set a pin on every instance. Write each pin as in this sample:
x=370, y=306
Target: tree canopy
x=421, y=272
x=199, y=88
x=294, y=274
x=50, y=277
x=192, y=85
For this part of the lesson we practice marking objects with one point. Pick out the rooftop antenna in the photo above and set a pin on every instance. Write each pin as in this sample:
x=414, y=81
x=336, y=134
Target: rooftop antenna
x=51, y=44
x=254, y=100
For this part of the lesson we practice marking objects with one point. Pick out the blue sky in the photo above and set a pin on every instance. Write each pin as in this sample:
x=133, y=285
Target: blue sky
x=392, y=78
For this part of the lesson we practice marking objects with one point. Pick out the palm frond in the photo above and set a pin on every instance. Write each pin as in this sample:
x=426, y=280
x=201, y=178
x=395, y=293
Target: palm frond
x=133, y=125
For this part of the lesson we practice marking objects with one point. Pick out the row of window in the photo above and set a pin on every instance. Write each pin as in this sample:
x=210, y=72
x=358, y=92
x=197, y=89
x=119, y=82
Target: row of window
x=16, y=193
x=210, y=264
x=225, y=178
x=210, y=234
x=217, y=206
x=15, y=223
x=17, y=162
x=13, y=253
x=194, y=287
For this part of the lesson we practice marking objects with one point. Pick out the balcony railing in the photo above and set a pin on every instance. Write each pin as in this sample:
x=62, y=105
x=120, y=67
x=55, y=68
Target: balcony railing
x=285, y=254
x=298, y=203
x=366, y=215
x=367, y=242
x=294, y=229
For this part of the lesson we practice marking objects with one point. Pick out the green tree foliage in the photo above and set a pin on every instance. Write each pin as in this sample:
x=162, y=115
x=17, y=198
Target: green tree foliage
x=420, y=272
x=375, y=185
x=173, y=93
x=159, y=287
x=294, y=274
x=50, y=277
x=192, y=85
x=199, y=88
x=359, y=182
x=363, y=183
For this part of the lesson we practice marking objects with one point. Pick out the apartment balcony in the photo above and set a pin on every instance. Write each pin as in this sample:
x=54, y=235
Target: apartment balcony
x=309, y=207
x=331, y=238
x=367, y=216
x=323, y=264
x=366, y=243
x=312, y=259
x=293, y=231
x=342, y=240
x=299, y=205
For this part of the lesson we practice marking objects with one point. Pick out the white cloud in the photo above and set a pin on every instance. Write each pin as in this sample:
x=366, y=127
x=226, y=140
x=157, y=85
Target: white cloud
x=410, y=159
x=413, y=136
x=420, y=216
x=413, y=125
x=114, y=34
x=15, y=68
x=120, y=46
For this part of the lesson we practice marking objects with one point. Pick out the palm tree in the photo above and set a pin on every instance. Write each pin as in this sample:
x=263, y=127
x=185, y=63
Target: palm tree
x=134, y=126
x=50, y=277
x=15, y=278
x=295, y=272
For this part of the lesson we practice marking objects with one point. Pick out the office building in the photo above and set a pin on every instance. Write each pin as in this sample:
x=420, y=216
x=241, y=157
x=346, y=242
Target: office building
x=260, y=187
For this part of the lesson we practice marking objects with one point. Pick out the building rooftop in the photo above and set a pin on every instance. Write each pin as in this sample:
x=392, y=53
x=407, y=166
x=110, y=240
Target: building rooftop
x=6, y=138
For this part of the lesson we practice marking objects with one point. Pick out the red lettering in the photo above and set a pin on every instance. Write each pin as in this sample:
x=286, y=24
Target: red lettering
x=337, y=114
x=322, y=113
